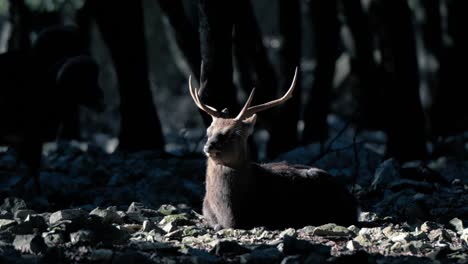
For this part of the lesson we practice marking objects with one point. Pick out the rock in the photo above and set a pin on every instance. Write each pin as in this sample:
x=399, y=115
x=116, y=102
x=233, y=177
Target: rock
x=386, y=173
x=353, y=245
x=260, y=256
x=108, y=215
x=21, y=214
x=457, y=224
x=332, y=230
x=6, y=223
x=67, y=214
x=83, y=236
x=167, y=209
x=30, y=244
x=228, y=248
x=13, y=204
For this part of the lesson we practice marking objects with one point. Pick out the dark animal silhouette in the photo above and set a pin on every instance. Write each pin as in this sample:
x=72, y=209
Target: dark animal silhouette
x=242, y=194
x=40, y=88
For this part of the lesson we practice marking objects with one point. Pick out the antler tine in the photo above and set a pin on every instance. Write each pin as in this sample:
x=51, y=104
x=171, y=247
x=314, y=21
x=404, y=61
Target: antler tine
x=246, y=106
x=208, y=109
x=258, y=108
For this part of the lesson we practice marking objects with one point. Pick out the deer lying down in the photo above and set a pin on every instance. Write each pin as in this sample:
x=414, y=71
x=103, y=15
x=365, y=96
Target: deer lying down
x=243, y=194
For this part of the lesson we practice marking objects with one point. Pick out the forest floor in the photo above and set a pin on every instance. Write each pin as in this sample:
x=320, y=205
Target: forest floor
x=145, y=208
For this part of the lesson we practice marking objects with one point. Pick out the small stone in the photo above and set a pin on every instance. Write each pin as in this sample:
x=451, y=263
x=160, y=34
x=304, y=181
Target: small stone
x=288, y=232
x=30, y=244
x=108, y=216
x=267, y=255
x=353, y=245
x=292, y=260
x=67, y=214
x=354, y=229
x=130, y=228
x=368, y=217
x=167, y=209
x=147, y=226
x=228, y=248
x=36, y=221
x=440, y=235
x=135, y=207
x=396, y=247
x=429, y=226
x=5, y=214
x=332, y=230
x=53, y=239
x=192, y=231
x=400, y=237
x=457, y=224
x=294, y=246
x=131, y=257
x=307, y=230
x=23, y=213
x=172, y=222
x=82, y=236
x=464, y=236
x=386, y=173
x=101, y=255
x=13, y=204
x=363, y=240
x=6, y=223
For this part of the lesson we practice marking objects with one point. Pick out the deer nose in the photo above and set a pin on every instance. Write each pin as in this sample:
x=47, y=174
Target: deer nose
x=211, y=147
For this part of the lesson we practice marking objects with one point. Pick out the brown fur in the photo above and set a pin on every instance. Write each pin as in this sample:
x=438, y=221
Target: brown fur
x=242, y=194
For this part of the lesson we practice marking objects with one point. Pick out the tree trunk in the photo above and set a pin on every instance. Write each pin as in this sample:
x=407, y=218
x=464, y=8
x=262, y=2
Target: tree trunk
x=216, y=26
x=20, y=18
x=122, y=28
x=404, y=115
x=325, y=28
x=184, y=33
x=369, y=93
x=284, y=135
x=449, y=113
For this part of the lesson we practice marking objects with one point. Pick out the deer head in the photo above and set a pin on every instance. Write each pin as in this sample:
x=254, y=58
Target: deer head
x=227, y=137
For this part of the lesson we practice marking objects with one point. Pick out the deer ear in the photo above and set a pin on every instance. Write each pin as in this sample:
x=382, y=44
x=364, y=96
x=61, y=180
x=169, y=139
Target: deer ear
x=250, y=122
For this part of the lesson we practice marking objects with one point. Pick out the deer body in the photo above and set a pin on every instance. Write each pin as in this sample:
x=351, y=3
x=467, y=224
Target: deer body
x=243, y=194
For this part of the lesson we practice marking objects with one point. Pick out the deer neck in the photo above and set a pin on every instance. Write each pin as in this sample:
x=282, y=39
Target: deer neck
x=226, y=180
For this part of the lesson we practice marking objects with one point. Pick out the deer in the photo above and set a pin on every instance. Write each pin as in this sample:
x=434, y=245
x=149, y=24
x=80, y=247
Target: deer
x=244, y=194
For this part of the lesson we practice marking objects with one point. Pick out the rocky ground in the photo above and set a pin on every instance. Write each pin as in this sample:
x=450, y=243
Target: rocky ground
x=144, y=208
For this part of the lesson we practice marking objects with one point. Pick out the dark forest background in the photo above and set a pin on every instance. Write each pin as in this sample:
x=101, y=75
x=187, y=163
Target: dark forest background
x=395, y=66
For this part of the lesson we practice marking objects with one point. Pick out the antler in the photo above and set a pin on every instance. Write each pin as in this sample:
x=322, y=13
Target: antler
x=208, y=109
x=248, y=111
